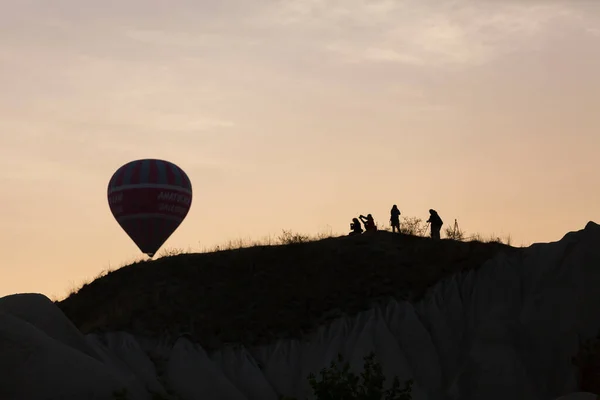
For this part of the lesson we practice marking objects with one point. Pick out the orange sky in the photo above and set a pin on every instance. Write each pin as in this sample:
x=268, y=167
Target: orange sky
x=292, y=115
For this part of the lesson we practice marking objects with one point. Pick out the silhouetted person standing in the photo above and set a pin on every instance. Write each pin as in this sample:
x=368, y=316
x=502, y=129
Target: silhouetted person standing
x=395, y=218
x=436, y=224
x=369, y=223
x=355, y=227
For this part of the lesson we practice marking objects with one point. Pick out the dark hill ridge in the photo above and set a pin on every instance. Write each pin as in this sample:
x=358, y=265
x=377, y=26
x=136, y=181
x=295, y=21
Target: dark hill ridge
x=259, y=294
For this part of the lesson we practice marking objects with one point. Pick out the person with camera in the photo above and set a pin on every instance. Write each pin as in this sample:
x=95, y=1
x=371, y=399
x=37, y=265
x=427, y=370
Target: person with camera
x=368, y=222
x=436, y=224
x=395, y=218
x=355, y=227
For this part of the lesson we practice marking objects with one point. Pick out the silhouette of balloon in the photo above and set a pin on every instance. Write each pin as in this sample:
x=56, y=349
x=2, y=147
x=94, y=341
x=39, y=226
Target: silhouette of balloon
x=149, y=198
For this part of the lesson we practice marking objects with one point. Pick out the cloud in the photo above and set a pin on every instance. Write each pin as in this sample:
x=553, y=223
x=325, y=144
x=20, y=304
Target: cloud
x=185, y=39
x=594, y=31
x=164, y=122
x=410, y=32
x=418, y=32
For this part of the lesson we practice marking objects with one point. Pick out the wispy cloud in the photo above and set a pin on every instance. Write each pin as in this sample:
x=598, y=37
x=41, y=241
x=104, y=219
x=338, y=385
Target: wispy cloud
x=593, y=31
x=413, y=32
x=418, y=32
x=186, y=39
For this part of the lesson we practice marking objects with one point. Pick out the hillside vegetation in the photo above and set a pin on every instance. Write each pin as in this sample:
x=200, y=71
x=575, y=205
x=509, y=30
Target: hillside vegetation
x=258, y=294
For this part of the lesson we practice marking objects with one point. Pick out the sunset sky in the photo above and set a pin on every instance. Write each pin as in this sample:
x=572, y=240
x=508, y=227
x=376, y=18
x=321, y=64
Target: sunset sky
x=292, y=115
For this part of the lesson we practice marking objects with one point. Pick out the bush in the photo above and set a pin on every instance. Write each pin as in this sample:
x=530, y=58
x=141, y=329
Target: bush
x=341, y=384
x=413, y=226
x=288, y=237
x=454, y=232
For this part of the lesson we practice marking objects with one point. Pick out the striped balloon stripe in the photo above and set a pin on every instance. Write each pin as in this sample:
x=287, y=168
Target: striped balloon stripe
x=117, y=179
x=128, y=173
x=152, y=171
x=186, y=180
x=144, y=171
x=162, y=172
x=178, y=176
x=170, y=175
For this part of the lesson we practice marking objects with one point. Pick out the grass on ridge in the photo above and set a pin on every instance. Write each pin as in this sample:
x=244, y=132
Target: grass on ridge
x=409, y=225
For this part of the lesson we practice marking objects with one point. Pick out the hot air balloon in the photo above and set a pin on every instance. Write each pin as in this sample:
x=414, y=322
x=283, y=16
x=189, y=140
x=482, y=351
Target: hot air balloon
x=149, y=198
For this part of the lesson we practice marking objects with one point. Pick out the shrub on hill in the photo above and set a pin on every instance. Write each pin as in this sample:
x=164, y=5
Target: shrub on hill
x=337, y=383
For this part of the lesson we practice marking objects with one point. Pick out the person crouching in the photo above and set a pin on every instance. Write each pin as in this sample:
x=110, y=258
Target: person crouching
x=355, y=228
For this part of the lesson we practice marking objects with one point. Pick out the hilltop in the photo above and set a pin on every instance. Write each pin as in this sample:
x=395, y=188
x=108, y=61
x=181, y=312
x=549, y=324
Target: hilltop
x=259, y=294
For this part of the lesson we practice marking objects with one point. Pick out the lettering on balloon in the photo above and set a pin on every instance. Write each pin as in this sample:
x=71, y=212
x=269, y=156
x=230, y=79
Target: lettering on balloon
x=174, y=203
x=172, y=208
x=176, y=197
x=115, y=198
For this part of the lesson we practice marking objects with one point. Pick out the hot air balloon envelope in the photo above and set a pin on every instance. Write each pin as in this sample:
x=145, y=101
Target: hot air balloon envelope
x=149, y=198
